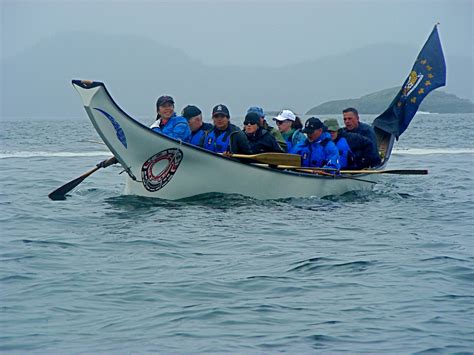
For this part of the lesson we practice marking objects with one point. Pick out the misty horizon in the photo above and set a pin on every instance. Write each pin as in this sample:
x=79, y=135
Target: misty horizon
x=277, y=55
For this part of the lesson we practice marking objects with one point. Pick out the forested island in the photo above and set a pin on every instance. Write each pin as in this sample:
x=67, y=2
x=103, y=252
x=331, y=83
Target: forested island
x=377, y=102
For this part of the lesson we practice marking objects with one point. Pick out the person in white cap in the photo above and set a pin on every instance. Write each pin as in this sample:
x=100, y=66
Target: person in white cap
x=290, y=127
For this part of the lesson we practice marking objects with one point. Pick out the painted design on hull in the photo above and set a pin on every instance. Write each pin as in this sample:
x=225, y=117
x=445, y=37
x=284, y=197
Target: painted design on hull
x=118, y=130
x=153, y=182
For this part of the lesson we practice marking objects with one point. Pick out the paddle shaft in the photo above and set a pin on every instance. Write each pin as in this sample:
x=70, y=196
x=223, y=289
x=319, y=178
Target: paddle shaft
x=325, y=173
x=60, y=193
x=393, y=171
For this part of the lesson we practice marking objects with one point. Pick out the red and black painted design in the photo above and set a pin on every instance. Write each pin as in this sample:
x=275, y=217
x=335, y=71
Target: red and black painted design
x=154, y=182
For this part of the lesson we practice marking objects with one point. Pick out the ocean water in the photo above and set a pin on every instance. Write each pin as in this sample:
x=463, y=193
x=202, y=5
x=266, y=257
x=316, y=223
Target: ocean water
x=387, y=271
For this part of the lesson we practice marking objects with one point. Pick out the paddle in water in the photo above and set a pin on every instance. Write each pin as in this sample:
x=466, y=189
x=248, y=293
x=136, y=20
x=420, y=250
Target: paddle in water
x=60, y=193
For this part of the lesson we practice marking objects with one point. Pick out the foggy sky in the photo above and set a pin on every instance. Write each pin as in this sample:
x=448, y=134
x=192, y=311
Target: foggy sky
x=243, y=32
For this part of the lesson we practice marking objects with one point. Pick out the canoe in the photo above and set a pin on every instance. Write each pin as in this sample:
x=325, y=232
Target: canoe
x=159, y=166
x=166, y=168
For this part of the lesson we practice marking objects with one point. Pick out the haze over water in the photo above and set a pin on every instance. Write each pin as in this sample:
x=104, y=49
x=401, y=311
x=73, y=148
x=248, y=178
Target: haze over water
x=386, y=271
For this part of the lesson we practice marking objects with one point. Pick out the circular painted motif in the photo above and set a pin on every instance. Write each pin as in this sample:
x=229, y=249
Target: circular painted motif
x=155, y=180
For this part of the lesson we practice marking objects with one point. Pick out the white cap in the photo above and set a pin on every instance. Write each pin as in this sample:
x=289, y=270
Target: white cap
x=285, y=115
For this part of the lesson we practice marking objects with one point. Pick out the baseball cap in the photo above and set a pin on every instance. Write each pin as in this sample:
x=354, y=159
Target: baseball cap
x=285, y=115
x=163, y=100
x=191, y=111
x=332, y=125
x=257, y=110
x=220, y=110
x=312, y=124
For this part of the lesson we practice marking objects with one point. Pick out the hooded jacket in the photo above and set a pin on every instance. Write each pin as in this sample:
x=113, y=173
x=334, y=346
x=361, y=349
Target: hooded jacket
x=177, y=127
x=322, y=153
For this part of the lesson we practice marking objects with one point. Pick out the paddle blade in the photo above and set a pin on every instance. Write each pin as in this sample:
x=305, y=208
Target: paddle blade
x=60, y=193
x=272, y=158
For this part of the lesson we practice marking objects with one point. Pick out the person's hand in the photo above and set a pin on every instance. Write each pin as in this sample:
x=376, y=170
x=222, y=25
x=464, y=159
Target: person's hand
x=227, y=154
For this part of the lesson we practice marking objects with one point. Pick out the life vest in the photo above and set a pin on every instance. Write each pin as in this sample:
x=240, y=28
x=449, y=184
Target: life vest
x=197, y=138
x=217, y=142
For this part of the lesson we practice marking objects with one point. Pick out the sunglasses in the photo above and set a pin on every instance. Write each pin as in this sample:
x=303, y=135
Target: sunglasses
x=249, y=123
x=219, y=116
x=279, y=122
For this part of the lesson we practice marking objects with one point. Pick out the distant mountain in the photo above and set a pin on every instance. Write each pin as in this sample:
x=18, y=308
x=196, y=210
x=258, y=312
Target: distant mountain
x=377, y=102
x=136, y=70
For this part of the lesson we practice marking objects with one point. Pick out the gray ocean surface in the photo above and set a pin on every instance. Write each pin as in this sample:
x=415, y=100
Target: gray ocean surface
x=387, y=271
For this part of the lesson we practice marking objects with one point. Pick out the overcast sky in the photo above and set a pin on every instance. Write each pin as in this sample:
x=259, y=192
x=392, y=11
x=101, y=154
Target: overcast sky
x=246, y=32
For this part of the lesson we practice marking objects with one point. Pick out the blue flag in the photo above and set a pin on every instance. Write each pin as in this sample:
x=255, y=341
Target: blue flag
x=428, y=73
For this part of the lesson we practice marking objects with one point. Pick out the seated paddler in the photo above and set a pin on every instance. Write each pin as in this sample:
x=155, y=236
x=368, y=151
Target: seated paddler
x=362, y=140
x=260, y=139
x=318, y=150
x=264, y=124
x=290, y=127
x=198, y=128
x=224, y=136
x=345, y=154
x=167, y=122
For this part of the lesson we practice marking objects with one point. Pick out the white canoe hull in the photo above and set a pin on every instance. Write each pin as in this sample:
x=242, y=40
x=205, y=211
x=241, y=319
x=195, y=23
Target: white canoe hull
x=161, y=167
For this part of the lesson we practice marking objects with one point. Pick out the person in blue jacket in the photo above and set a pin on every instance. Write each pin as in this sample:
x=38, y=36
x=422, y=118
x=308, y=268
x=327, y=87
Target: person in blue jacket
x=345, y=153
x=199, y=129
x=290, y=127
x=318, y=150
x=167, y=122
x=224, y=136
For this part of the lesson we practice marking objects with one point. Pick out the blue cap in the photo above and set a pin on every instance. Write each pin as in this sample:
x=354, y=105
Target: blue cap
x=257, y=110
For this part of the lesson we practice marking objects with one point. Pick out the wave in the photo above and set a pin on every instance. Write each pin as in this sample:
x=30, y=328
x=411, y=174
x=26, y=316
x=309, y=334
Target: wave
x=430, y=151
x=27, y=154
x=426, y=113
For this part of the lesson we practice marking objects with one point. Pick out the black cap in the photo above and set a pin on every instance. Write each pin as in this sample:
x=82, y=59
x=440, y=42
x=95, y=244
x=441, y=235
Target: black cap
x=252, y=118
x=312, y=124
x=220, y=110
x=191, y=111
x=163, y=100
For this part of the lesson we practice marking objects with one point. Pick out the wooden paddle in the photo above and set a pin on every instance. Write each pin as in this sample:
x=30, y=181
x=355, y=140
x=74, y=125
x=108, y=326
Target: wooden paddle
x=318, y=171
x=60, y=193
x=293, y=160
x=393, y=171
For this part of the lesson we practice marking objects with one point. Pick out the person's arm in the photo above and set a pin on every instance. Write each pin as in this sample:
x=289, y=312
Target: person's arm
x=332, y=156
x=180, y=131
x=300, y=138
x=239, y=143
x=344, y=150
x=297, y=148
x=273, y=145
x=275, y=133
